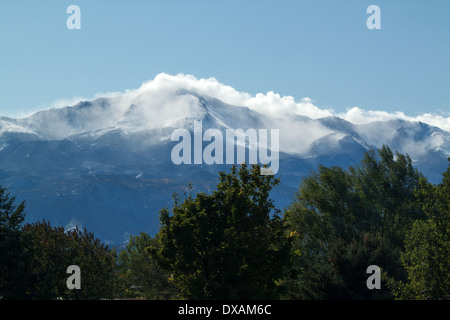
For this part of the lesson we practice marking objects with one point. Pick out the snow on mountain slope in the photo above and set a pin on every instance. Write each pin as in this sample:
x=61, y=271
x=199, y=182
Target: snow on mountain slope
x=106, y=164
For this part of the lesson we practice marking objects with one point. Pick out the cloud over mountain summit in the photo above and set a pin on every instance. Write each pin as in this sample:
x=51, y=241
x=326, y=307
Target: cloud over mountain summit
x=270, y=103
x=105, y=163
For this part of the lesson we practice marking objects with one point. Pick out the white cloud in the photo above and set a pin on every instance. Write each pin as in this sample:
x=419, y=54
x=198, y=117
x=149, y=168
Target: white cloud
x=269, y=103
x=296, y=134
x=156, y=91
x=64, y=102
x=360, y=116
x=274, y=104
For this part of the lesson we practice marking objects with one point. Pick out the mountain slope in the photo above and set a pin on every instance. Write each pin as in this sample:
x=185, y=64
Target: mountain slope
x=106, y=164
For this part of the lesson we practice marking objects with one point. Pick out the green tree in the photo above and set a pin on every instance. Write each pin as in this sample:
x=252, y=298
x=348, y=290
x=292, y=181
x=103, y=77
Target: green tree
x=427, y=247
x=13, y=252
x=230, y=244
x=141, y=275
x=54, y=249
x=346, y=220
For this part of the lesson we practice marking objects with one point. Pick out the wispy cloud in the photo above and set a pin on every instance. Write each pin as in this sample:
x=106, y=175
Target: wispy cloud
x=361, y=116
x=155, y=96
x=64, y=102
x=273, y=104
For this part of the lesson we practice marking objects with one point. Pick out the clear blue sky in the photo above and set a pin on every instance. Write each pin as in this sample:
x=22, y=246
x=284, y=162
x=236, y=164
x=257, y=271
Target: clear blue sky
x=318, y=49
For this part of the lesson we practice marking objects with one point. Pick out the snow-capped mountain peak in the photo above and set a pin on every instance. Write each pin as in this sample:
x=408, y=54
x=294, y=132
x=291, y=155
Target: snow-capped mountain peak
x=106, y=163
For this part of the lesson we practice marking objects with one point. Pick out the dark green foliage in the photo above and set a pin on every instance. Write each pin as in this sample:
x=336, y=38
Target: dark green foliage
x=34, y=259
x=346, y=220
x=53, y=250
x=142, y=278
x=13, y=253
x=427, y=251
x=230, y=244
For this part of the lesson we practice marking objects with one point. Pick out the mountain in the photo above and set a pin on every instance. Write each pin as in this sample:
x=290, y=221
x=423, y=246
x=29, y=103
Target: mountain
x=106, y=164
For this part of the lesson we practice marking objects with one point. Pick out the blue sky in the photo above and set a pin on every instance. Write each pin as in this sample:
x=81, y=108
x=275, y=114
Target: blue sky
x=317, y=49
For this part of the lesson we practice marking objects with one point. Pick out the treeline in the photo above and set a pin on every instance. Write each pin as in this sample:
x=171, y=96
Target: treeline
x=233, y=243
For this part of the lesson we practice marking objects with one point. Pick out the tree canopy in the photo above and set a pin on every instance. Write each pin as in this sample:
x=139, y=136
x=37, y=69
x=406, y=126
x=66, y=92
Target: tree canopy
x=54, y=249
x=233, y=243
x=347, y=220
x=142, y=278
x=230, y=244
x=13, y=253
x=426, y=258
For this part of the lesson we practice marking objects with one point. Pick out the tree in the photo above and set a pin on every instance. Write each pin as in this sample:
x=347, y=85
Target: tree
x=54, y=249
x=141, y=275
x=13, y=253
x=427, y=246
x=346, y=220
x=230, y=244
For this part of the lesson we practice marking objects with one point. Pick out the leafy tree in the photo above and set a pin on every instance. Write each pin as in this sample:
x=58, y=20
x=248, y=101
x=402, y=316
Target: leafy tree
x=13, y=253
x=141, y=275
x=346, y=220
x=427, y=247
x=230, y=244
x=54, y=249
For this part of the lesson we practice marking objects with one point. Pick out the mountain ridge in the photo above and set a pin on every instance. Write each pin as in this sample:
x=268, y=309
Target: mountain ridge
x=105, y=164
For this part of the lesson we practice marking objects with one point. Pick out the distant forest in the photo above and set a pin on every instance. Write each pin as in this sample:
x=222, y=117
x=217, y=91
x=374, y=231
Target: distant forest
x=233, y=243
